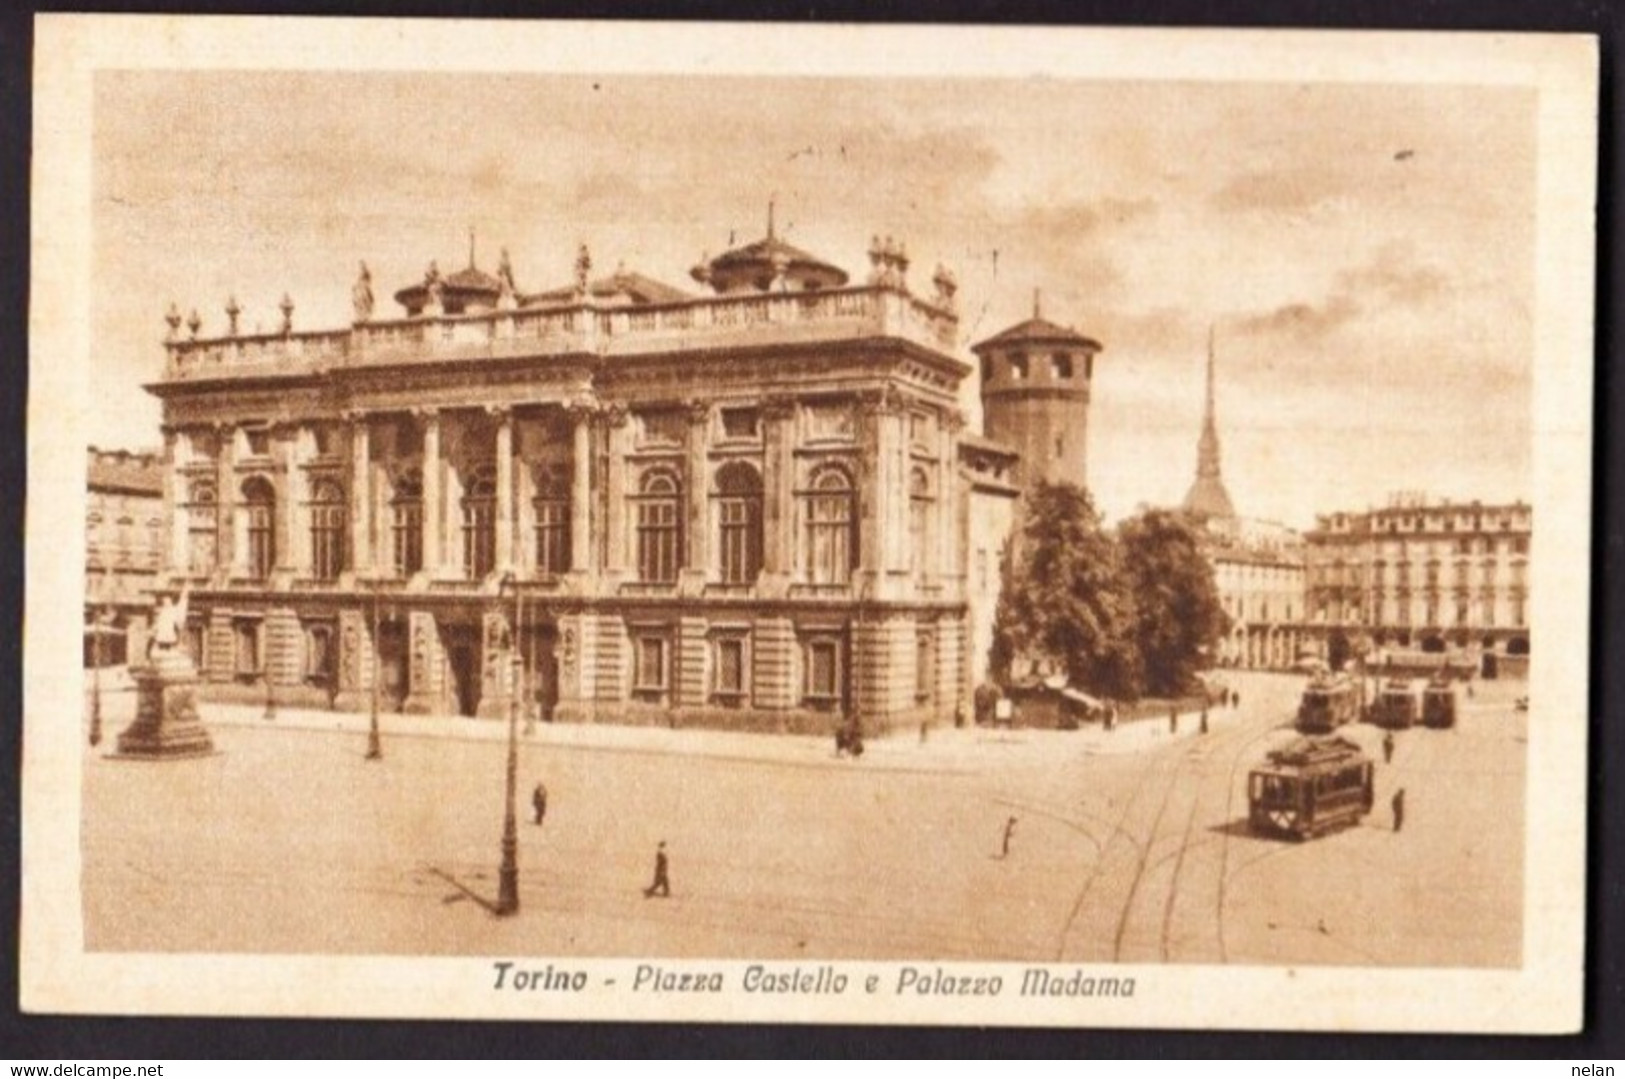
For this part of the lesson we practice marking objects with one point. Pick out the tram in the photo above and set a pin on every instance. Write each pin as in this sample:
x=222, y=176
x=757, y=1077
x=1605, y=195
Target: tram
x=1329, y=701
x=1439, y=704
x=1398, y=705
x=1309, y=787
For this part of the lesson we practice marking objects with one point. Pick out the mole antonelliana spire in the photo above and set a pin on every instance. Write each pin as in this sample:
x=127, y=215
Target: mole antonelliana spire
x=1207, y=496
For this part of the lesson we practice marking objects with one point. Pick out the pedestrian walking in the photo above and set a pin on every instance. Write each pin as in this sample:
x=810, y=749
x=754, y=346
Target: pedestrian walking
x=1204, y=719
x=1398, y=805
x=538, y=802
x=1173, y=721
x=1009, y=830
x=1235, y=699
x=1388, y=747
x=661, y=885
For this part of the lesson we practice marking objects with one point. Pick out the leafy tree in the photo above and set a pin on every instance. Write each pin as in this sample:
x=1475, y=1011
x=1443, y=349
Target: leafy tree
x=1064, y=598
x=1178, y=615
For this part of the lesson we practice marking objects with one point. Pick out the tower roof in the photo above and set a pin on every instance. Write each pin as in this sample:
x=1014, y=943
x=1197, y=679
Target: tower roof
x=758, y=265
x=1037, y=330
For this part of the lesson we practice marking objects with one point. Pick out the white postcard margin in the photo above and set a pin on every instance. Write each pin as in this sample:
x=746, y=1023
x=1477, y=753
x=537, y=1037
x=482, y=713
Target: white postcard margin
x=58, y=975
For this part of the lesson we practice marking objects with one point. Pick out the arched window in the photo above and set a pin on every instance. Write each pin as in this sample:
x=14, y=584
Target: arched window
x=259, y=507
x=406, y=522
x=202, y=529
x=327, y=520
x=480, y=523
x=660, y=530
x=552, y=506
x=832, y=527
x=921, y=504
x=739, y=522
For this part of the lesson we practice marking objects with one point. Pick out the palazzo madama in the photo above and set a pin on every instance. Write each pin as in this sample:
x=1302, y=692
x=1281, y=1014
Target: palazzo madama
x=753, y=506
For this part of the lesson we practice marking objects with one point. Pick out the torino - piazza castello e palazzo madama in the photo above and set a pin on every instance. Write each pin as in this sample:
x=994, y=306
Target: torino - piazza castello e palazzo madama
x=755, y=504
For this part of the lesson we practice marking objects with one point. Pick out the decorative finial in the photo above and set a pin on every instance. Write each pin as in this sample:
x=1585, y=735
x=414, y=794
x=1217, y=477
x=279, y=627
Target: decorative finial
x=361, y=295
x=770, y=202
x=1038, y=303
x=702, y=269
x=286, y=307
x=232, y=311
x=193, y=322
x=471, y=247
x=173, y=318
x=583, y=268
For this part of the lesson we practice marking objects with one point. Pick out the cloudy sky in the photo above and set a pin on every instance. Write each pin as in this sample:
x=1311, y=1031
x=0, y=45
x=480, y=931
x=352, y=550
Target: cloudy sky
x=1364, y=252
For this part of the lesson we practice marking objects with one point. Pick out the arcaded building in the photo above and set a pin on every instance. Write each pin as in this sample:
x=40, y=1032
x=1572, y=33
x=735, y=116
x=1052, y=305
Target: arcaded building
x=750, y=505
x=1428, y=575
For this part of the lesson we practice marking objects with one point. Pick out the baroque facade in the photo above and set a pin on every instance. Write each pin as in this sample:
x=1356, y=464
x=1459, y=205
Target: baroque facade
x=124, y=551
x=615, y=500
x=1426, y=575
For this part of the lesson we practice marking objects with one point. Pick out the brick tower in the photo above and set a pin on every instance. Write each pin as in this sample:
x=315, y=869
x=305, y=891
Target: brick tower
x=1035, y=396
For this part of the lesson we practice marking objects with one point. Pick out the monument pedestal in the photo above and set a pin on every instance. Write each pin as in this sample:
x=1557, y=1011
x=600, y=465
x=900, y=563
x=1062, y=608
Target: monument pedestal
x=166, y=722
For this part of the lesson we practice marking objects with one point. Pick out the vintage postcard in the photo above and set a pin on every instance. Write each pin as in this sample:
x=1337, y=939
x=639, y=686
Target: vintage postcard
x=815, y=524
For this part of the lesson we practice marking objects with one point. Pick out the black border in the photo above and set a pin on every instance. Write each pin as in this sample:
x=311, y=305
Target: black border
x=57, y=1038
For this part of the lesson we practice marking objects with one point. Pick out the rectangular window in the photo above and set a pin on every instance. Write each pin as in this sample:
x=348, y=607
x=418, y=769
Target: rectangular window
x=824, y=674
x=246, y=638
x=326, y=541
x=407, y=530
x=729, y=680
x=319, y=657
x=260, y=544
x=552, y=536
x=259, y=441
x=658, y=551
x=1061, y=365
x=925, y=665
x=649, y=672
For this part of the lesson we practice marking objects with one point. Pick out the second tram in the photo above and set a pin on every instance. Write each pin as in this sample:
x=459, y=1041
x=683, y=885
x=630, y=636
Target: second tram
x=1439, y=704
x=1397, y=706
x=1329, y=701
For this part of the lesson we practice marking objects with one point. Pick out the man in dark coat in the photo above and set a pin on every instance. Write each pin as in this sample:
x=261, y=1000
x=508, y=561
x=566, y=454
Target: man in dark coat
x=1399, y=809
x=661, y=885
x=1009, y=830
x=538, y=802
x=1388, y=747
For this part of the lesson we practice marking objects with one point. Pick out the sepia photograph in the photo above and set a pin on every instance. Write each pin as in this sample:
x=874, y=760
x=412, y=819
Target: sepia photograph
x=918, y=525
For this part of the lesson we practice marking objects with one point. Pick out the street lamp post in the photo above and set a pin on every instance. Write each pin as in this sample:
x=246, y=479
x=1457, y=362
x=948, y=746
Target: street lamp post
x=96, y=677
x=508, y=876
x=521, y=671
x=375, y=745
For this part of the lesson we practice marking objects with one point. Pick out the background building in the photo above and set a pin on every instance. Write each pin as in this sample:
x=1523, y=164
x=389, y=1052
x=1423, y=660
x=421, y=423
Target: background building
x=1426, y=575
x=124, y=551
x=752, y=507
x=1258, y=566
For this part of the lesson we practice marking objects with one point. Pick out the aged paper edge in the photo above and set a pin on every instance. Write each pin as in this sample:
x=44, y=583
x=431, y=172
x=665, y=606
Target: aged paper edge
x=56, y=973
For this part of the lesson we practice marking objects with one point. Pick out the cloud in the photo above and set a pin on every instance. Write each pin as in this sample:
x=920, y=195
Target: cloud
x=1391, y=281
x=1281, y=190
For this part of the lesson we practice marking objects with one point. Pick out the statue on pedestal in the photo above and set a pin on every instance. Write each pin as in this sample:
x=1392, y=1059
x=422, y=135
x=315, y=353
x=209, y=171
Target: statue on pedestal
x=166, y=723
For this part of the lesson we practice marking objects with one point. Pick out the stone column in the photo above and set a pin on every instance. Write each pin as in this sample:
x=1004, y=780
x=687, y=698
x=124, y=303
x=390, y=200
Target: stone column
x=950, y=559
x=426, y=661
x=613, y=469
x=504, y=509
x=178, y=558
x=361, y=552
x=433, y=511
x=697, y=533
x=294, y=530
x=228, y=550
x=581, y=514
x=779, y=534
